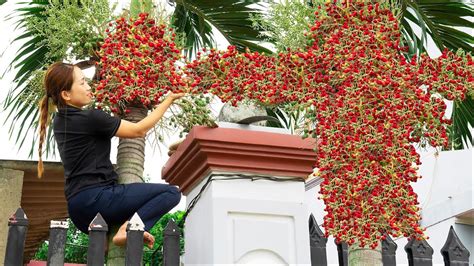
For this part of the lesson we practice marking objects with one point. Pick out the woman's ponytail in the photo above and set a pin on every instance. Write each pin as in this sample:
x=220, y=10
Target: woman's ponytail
x=42, y=132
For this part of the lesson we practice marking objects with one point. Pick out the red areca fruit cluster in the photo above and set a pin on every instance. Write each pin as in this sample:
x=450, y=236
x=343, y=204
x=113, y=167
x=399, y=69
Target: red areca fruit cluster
x=137, y=63
x=367, y=105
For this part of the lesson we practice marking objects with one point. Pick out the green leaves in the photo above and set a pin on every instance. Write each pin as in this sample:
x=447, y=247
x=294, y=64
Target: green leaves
x=71, y=28
x=284, y=24
x=2, y=2
x=140, y=6
x=231, y=18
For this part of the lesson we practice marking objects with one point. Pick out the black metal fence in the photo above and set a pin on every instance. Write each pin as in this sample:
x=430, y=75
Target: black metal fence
x=419, y=253
x=98, y=228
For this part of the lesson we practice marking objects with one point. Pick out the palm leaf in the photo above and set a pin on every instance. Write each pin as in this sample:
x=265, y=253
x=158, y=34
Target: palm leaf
x=230, y=18
x=463, y=114
x=23, y=115
x=280, y=115
x=198, y=31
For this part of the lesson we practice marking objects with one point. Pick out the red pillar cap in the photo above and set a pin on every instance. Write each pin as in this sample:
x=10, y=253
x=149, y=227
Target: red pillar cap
x=237, y=150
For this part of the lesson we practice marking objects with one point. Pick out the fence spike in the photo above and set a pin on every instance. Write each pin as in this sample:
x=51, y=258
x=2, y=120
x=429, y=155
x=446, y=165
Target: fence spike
x=98, y=224
x=171, y=247
x=342, y=253
x=134, y=249
x=453, y=251
x=419, y=253
x=97, y=240
x=17, y=227
x=389, y=248
x=317, y=243
x=57, y=242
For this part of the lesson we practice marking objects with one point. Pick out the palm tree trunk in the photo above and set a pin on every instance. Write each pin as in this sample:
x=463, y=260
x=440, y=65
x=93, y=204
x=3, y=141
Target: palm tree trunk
x=131, y=152
x=130, y=163
x=365, y=256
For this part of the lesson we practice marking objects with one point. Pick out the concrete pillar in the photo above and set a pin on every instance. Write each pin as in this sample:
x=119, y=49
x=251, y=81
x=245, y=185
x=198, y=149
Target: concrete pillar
x=11, y=184
x=253, y=211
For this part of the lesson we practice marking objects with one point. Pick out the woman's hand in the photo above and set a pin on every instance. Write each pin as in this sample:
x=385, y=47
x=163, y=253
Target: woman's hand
x=175, y=96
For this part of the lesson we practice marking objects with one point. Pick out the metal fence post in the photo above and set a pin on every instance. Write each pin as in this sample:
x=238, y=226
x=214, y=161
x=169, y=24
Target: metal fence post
x=57, y=242
x=18, y=225
x=171, y=247
x=317, y=243
x=419, y=253
x=389, y=248
x=453, y=251
x=97, y=237
x=342, y=253
x=134, y=249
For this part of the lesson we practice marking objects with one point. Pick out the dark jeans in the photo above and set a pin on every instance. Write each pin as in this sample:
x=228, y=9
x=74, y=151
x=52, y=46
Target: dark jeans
x=118, y=203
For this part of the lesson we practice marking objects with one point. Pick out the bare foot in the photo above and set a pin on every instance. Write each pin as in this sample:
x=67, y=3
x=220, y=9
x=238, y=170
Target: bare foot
x=148, y=239
x=120, y=238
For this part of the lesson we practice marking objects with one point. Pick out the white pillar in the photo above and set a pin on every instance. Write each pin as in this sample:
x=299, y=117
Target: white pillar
x=249, y=222
x=237, y=220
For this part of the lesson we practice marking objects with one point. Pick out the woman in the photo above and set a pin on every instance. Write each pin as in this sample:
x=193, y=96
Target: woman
x=83, y=138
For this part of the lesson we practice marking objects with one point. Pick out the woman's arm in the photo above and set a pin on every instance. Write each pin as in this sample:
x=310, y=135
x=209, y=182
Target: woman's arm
x=138, y=130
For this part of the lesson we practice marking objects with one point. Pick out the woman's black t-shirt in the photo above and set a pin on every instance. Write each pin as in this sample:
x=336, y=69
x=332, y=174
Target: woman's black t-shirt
x=83, y=138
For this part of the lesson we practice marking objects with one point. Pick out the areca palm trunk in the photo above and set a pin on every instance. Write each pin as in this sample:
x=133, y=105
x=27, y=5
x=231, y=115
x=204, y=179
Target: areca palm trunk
x=130, y=163
x=365, y=256
x=131, y=152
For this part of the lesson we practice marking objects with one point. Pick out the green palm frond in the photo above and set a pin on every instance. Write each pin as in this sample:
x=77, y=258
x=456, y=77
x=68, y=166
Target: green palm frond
x=442, y=20
x=198, y=32
x=439, y=20
x=463, y=115
x=31, y=55
x=231, y=18
x=24, y=114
